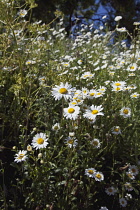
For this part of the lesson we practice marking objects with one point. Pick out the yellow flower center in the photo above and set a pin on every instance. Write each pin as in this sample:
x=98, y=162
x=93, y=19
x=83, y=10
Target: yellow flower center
x=118, y=88
x=63, y=90
x=20, y=156
x=86, y=75
x=132, y=67
x=95, y=143
x=94, y=111
x=40, y=141
x=116, y=129
x=78, y=100
x=70, y=141
x=73, y=103
x=98, y=93
x=92, y=94
x=98, y=176
x=125, y=111
x=134, y=95
x=90, y=171
x=56, y=127
x=71, y=110
x=110, y=190
x=117, y=84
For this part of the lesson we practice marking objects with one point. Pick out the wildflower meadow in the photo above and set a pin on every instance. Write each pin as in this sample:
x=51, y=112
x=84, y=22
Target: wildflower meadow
x=70, y=114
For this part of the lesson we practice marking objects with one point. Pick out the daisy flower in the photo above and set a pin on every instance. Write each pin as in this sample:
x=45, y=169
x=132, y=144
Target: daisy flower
x=99, y=176
x=71, y=141
x=117, y=18
x=21, y=156
x=79, y=62
x=132, y=67
x=118, y=84
x=125, y=112
x=128, y=186
x=123, y=202
x=65, y=64
x=117, y=89
x=62, y=91
x=133, y=170
x=134, y=95
x=92, y=94
x=96, y=143
x=102, y=89
x=90, y=172
x=56, y=127
x=93, y=111
x=130, y=175
x=116, y=130
x=103, y=208
x=99, y=94
x=123, y=29
x=87, y=75
x=22, y=13
x=39, y=141
x=110, y=190
x=71, y=112
x=85, y=92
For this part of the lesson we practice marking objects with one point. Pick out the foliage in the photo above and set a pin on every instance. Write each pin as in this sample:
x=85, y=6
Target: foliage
x=78, y=155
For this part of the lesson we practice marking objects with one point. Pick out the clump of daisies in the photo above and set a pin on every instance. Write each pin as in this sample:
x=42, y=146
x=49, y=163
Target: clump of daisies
x=21, y=156
x=91, y=172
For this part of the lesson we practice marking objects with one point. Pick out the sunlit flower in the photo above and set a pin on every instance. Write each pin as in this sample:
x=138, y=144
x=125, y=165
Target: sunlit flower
x=87, y=75
x=117, y=18
x=71, y=112
x=92, y=94
x=22, y=13
x=132, y=67
x=99, y=176
x=21, y=156
x=71, y=141
x=134, y=95
x=79, y=62
x=84, y=92
x=118, y=84
x=99, y=94
x=123, y=29
x=65, y=64
x=39, y=141
x=102, y=89
x=110, y=190
x=93, y=111
x=62, y=91
x=90, y=172
x=123, y=202
x=125, y=112
x=133, y=170
x=116, y=130
x=96, y=143
x=28, y=62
